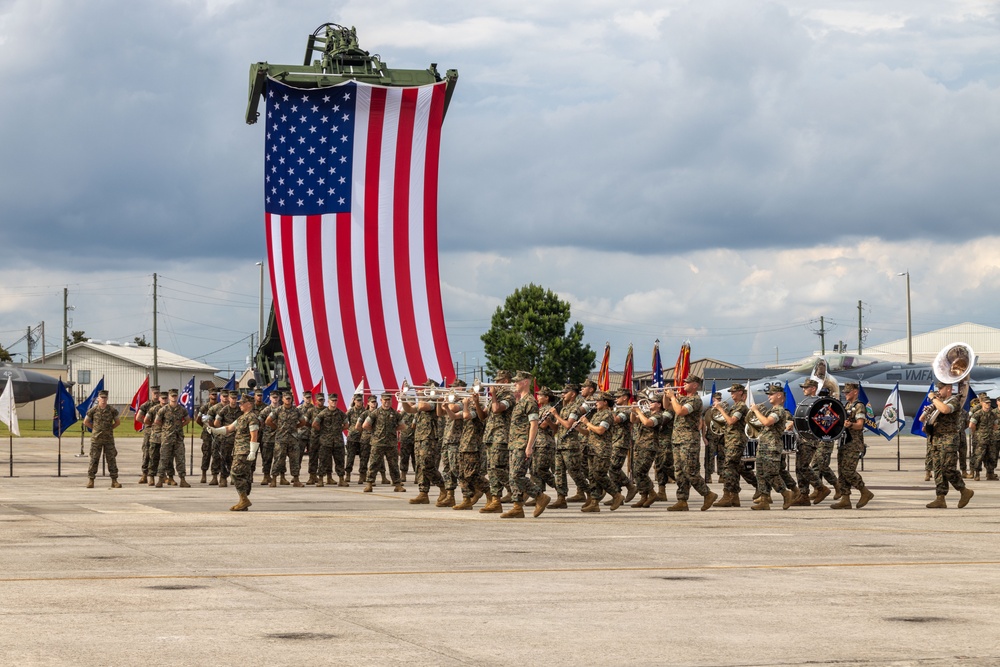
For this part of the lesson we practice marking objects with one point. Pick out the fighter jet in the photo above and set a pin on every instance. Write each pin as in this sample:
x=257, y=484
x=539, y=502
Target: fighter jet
x=28, y=385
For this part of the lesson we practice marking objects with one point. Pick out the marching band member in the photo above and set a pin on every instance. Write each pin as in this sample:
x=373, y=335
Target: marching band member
x=687, y=445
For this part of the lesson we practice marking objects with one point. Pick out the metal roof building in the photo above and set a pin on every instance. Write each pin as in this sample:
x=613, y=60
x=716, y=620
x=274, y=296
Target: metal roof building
x=985, y=342
x=124, y=367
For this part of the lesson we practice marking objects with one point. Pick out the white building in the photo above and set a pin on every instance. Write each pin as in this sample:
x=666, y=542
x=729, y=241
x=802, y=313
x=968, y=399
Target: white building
x=124, y=368
x=984, y=340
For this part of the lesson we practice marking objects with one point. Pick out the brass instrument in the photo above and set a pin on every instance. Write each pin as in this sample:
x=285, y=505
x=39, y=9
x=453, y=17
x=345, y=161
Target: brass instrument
x=717, y=424
x=952, y=365
x=753, y=425
x=478, y=385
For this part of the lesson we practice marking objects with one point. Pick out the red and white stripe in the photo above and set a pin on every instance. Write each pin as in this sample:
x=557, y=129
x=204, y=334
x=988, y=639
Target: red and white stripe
x=358, y=294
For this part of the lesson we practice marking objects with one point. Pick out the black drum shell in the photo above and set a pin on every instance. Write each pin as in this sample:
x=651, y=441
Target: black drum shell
x=812, y=405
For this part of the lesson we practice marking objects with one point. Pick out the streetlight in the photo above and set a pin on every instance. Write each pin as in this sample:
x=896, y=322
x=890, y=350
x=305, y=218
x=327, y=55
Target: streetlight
x=909, y=320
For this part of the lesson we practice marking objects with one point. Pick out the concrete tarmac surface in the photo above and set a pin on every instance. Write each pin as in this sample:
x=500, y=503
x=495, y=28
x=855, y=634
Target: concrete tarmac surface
x=146, y=576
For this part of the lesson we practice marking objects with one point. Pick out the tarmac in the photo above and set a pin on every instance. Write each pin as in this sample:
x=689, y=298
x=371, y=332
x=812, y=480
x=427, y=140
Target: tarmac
x=336, y=576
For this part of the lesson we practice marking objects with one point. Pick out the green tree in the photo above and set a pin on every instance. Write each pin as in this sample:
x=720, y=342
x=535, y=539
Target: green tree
x=141, y=341
x=529, y=333
x=4, y=355
x=76, y=337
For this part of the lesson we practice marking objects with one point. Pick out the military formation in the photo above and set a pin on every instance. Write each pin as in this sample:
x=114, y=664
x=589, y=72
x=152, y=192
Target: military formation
x=512, y=443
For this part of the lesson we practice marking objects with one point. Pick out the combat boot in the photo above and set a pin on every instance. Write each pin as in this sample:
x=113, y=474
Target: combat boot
x=593, y=505
x=215, y=480
x=866, y=495
x=329, y=479
x=992, y=477
x=789, y=497
x=90, y=483
x=441, y=496
x=586, y=503
x=204, y=476
x=975, y=477
x=708, y=479
x=578, y=497
x=968, y=475
x=609, y=501
x=560, y=503
x=967, y=494
x=273, y=483
x=142, y=480
x=160, y=481
x=837, y=493
x=347, y=478
x=844, y=503
x=530, y=502
x=402, y=476
x=368, y=488
x=170, y=481
x=679, y=506
x=661, y=493
x=184, y=484
x=266, y=480
x=937, y=503
x=385, y=480
x=927, y=476
x=420, y=499
x=476, y=496
x=284, y=482
x=616, y=501
x=801, y=500
x=399, y=489
x=710, y=498
x=319, y=482
x=821, y=493
x=651, y=498
x=506, y=497
x=296, y=482
x=466, y=504
x=223, y=481
x=632, y=490
x=542, y=501
x=763, y=503
x=735, y=500
x=341, y=481
x=492, y=507
x=515, y=512
x=639, y=503
x=726, y=500
x=312, y=480
x=152, y=480
x=242, y=505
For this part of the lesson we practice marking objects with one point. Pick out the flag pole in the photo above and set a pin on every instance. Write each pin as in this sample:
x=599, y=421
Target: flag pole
x=10, y=435
x=59, y=456
x=897, y=449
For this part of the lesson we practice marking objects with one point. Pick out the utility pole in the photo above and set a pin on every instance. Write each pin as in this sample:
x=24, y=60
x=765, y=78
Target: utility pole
x=860, y=330
x=65, y=322
x=156, y=366
x=43, y=339
x=822, y=336
x=28, y=338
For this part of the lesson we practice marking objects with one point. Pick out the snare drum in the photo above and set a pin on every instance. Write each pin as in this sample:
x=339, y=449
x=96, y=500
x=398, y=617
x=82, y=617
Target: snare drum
x=789, y=443
x=750, y=450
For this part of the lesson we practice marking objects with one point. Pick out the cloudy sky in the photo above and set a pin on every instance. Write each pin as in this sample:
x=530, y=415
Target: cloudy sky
x=726, y=172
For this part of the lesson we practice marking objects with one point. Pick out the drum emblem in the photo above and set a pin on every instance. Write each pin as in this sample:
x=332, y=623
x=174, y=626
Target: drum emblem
x=826, y=419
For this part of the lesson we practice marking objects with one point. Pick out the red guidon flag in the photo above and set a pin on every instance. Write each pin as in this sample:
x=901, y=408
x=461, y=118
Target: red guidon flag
x=683, y=366
x=141, y=396
x=603, y=379
x=350, y=200
x=628, y=372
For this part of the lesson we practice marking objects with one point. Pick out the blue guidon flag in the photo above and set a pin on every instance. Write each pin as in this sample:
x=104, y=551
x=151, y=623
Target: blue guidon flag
x=350, y=199
x=187, y=397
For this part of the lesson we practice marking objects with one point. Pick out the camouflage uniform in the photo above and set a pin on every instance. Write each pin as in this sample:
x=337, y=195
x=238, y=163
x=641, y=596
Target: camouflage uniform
x=146, y=431
x=217, y=440
x=600, y=459
x=984, y=421
x=569, y=452
x=384, y=423
x=714, y=448
x=469, y=454
x=364, y=448
x=543, y=458
x=153, y=461
x=286, y=443
x=734, y=442
x=994, y=442
x=963, y=443
x=425, y=448
x=944, y=448
x=310, y=436
x=852, y=450
x=621, y=444
x=821, y=462
x=449, y=453
x=227, y=415
x=102, y=440
x=354, y=414
x=647, y=451
x=769, y=451
x=406, y=439
x=524, y=413
x=266, y=436
x=665, y=454
x=206, y=437
x=171, y=419
x=242, y=473
x=497, y=430
x=687, y=447
x=331, y=422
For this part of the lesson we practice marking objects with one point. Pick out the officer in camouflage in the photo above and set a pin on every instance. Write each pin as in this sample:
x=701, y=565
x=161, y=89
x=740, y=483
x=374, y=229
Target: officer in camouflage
x=102, y=419
x=286, y=422
x=851, y=451
x=225, y=416
x=154, y=437
x=497, y=432
x=621, y=445
x=647, y=450
x=330, y=423
x=734, y=441
x=687, y=444
x=171, y=419
x=206, y=437
x=772, y=418
x=383, y=424
x=943, y=443
x=267, y=436
x=354, y=420
x=154, y=400
x=569, y=447
x=244, y=431
x=471, y=479
x=520, y=446
x=424, y=445
x=598, y=426
x=981, y=423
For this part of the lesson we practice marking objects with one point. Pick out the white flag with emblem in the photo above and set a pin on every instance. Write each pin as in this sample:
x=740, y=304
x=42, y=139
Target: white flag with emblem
x=892, y=420
x=8, y=411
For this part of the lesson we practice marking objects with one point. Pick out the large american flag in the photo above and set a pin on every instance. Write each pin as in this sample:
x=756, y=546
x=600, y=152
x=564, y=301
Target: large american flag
x=351, y=215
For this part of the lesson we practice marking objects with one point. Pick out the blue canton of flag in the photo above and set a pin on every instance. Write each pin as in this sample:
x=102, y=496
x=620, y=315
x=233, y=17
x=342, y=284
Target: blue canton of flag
x=308, y=149
x=187, y=397
x=657, y=368
x=231, y=385
x=64, y=413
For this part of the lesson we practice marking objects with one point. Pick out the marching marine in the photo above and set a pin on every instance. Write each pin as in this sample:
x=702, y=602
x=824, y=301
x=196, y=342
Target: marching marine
x=102, y=419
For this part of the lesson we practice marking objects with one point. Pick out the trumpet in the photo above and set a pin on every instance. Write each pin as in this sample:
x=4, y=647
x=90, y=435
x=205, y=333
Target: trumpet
x=478, y=385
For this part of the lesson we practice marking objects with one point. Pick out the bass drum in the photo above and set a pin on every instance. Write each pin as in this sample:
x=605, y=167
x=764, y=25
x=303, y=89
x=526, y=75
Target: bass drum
x=820, y=418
